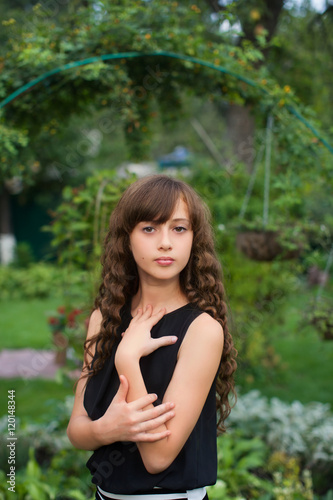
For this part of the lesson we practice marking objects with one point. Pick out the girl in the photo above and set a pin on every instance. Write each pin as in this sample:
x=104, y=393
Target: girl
x=158, y=350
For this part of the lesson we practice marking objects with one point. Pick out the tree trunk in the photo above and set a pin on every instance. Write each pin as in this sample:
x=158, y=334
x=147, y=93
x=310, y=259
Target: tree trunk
x=241, y=125
x=7, y=238
x=240, y=134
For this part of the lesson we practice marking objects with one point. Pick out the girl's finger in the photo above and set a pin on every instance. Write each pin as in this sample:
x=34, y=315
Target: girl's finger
x=151, y=412
x=151, y=424
x=141, y=403
x=122, y=391
x=147, y=312
x=164, y=341
x=152, y=437
x=155, y=318
x=137, y=316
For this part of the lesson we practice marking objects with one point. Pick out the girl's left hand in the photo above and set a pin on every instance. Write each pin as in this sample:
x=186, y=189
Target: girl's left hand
x=137, y=340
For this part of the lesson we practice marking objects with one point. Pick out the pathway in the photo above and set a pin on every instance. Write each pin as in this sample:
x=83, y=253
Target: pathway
x=27, y=363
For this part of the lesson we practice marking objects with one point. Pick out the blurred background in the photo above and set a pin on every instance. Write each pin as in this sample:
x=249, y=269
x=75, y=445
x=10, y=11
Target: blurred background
x=236, y=99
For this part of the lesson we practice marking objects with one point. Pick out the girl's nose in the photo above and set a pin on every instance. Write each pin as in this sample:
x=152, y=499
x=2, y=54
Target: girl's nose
x=165, y=242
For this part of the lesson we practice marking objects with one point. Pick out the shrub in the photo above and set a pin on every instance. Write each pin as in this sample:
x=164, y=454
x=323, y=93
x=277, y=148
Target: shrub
x=80, y=222
x=301, y=431
x=39, y=280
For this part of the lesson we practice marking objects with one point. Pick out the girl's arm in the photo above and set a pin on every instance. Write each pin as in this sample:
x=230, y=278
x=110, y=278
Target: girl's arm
x=198, y=361
x=122, y=421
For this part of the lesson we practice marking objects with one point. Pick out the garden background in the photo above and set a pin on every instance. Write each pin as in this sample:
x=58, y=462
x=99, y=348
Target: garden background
x=235, y=98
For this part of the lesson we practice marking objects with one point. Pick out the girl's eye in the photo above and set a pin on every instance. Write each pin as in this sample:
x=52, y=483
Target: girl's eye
x=180, y=229
x=148, y=229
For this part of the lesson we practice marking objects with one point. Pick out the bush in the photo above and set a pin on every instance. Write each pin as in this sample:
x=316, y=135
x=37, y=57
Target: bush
x=80, y=222
x=39, y=280
x=47, y=465
x=301, y=431
x=64, y=479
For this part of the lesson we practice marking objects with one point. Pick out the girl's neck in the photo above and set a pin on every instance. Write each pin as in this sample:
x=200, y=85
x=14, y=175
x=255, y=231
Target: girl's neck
x=169, y=297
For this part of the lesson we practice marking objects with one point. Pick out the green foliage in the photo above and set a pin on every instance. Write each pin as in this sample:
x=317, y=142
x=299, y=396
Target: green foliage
x=39, y=280
x=237, y=459
x=301, y=431
x=12, y=141
x=80, y=222
x=304, y=35
x=294, y=486
x=23, y=255
x=320, y=314
x=61, y=480
x=135, y=88
x=47, y=462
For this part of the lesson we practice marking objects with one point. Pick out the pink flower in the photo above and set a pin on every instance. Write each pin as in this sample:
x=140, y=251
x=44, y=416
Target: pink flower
x=53, y=321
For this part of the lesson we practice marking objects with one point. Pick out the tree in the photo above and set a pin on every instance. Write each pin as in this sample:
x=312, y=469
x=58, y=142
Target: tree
x=129, y=90
x=301, y=57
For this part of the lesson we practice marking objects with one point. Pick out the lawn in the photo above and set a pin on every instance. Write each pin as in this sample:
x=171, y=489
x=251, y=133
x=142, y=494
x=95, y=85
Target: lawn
x=308, y=373
x=24, y=322
x=35, y=398
x=306, y=361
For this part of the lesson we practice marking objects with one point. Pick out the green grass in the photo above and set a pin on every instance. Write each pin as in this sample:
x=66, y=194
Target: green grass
x=24, y=322
x=34, y=398
x=305, y=370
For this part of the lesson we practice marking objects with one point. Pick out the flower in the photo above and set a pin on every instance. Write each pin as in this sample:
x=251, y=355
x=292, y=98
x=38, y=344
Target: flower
x=64, y=318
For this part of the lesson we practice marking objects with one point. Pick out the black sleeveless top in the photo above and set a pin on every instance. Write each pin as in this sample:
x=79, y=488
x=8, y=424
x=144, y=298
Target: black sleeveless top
x=118, y=467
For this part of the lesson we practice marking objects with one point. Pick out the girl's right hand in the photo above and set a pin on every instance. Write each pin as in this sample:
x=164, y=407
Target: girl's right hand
x=124, y=421
x=137, y=340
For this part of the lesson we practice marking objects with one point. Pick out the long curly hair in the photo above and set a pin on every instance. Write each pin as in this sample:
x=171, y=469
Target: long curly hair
x=154, y=198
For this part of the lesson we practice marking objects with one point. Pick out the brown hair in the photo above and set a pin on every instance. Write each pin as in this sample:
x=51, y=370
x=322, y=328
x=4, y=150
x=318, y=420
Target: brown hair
x=154, y=198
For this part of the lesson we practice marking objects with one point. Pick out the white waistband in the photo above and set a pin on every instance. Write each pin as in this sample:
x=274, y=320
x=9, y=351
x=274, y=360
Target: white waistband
x=197, y=494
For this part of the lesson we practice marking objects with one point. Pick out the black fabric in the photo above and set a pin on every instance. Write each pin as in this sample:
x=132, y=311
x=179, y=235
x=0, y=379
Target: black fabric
x=118, y=467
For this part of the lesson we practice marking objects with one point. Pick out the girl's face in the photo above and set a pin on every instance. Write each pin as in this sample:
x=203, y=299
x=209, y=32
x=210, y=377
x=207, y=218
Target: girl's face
x=161, y=251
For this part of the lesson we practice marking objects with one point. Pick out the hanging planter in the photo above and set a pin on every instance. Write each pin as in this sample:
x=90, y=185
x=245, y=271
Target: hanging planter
x=263, y=241
x=321, y=312
x=267, y=245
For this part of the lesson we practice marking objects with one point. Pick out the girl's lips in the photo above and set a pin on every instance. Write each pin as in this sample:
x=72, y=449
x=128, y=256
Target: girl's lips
x=164, y=262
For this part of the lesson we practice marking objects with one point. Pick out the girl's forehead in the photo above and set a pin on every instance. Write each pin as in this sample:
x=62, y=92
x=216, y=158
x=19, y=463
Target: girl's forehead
x=179, y=211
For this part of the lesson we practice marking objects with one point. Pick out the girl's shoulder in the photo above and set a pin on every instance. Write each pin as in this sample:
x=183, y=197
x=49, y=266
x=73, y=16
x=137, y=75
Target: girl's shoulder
x=95, y=321
x=208, y=323
x=205, y=332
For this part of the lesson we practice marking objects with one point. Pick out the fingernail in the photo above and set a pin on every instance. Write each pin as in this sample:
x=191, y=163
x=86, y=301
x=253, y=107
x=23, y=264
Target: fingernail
x=174, y=339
